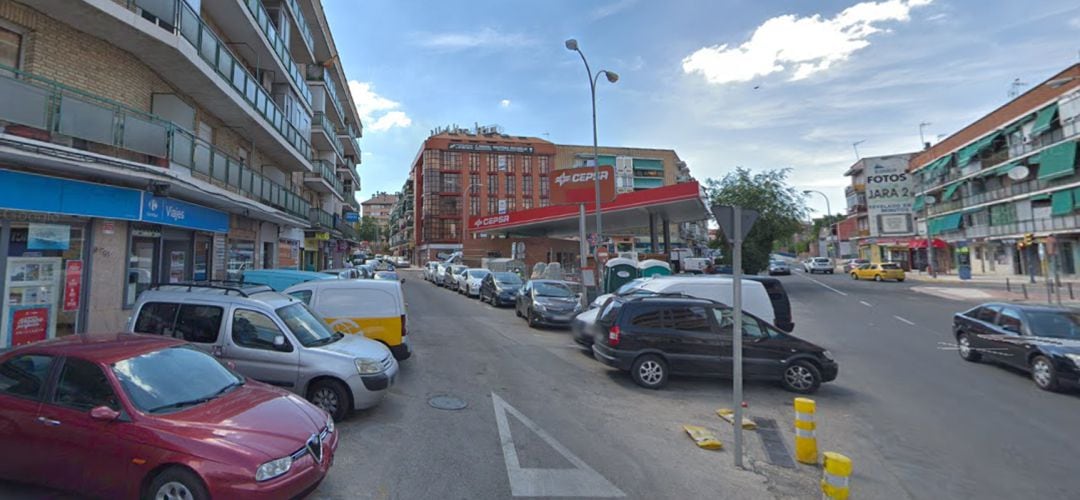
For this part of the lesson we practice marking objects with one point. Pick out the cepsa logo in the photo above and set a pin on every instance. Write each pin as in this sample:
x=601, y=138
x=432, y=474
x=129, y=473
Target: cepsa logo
x=580, y=177
x=487, y=221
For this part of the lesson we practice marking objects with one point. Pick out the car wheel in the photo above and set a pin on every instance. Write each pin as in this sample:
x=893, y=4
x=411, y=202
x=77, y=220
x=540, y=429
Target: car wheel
x=517, y=311
x=649, y=371
x=1042, y=372
x=899, y=280
x=801, y=377
x=830, y=272
x=176, y=483
x=530, y=316
x=855, y=276
x=332, y=397
x=963, y=345
x=877, y=277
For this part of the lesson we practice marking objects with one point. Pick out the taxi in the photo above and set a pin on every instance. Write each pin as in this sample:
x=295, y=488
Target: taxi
x=878, y=272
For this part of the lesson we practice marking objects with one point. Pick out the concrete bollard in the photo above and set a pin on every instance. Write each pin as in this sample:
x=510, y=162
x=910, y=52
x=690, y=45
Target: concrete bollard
x=836, y=477
x=805, y=435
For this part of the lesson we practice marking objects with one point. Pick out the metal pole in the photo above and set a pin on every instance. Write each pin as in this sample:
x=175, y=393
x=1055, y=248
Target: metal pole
x=596, y=164
x=930, y=246
x=736, y=284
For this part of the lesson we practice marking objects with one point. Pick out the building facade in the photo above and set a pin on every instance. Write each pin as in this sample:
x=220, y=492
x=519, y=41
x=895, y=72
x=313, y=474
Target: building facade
x=1003, y=192
x=880, y=223
x=147, y=142
x=401, y=222
x=380, y=207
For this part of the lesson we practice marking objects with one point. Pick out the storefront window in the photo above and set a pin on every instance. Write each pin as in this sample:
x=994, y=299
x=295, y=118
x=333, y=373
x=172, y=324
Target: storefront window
x=42, y=283
x=204, y=244
x=241, y=257
x=142, y=261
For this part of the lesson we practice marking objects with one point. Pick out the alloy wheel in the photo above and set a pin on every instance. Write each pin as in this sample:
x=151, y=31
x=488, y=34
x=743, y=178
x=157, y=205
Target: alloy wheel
x=799, y=377
x=965, y=347
x=651, y=372
x=173, y=490
x=1041, y=372
x=326, y=399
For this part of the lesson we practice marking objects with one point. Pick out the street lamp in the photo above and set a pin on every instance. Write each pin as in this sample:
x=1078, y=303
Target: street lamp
x=828, y=215
x=612, y=77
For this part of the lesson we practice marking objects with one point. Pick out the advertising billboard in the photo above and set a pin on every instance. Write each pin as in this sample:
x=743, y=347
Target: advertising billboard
x=889, y=196
x=572, y=186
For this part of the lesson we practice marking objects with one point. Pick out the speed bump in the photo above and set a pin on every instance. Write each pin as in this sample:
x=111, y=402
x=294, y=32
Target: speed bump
x=729, y=415
x=703, y=437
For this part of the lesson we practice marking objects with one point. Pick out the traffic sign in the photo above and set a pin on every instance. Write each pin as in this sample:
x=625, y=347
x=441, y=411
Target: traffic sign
x=725, y=217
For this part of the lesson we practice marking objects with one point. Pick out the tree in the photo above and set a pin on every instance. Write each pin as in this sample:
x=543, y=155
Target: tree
x=368, y=230
x=781, y=207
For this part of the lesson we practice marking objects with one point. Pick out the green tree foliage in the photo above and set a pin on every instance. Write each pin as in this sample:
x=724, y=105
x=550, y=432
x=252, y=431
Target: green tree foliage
x=368, y=230
x=781, y=207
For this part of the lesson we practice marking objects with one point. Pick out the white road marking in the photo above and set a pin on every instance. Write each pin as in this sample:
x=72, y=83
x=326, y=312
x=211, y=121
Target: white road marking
x=904, y=320
x=822, y=284
x=865, y=303
x=581, y=481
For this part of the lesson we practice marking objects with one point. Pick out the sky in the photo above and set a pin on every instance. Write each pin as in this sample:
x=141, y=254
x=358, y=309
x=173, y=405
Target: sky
x=755, y=84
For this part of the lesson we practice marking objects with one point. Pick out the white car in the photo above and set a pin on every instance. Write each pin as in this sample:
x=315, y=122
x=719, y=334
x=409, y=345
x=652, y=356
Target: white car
x=473, y=277
x=819, y=265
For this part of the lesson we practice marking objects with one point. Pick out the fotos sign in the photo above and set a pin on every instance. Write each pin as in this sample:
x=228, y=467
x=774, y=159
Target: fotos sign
x=572, y=186
x=889, y=197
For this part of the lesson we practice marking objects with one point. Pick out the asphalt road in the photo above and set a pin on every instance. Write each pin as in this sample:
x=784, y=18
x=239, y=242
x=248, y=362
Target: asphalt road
x=919, y=421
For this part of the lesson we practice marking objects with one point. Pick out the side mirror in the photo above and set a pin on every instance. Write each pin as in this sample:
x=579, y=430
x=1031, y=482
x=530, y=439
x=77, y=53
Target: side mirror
x=279, y=343
x=104, y=414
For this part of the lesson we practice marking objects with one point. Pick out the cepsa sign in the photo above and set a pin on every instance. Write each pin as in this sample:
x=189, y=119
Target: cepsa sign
x=572, y=186
x=482, y=222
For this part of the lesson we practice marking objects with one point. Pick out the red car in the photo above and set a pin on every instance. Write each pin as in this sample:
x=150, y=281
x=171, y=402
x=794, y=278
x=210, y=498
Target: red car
x=135, y=416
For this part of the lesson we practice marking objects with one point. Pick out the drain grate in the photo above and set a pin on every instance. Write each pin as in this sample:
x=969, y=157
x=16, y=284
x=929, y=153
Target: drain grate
x=447, y=402
x=775, y=450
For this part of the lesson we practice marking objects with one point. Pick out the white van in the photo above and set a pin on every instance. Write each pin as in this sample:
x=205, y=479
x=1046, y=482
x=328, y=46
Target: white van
x=755, y=300
x=373, y=308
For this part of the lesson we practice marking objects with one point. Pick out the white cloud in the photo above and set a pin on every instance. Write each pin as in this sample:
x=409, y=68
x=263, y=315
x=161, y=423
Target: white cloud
x=801, y=46
x=377, y=112
x=611, y=9
x=485, y=38
x=505, y=103
x=1075, y=22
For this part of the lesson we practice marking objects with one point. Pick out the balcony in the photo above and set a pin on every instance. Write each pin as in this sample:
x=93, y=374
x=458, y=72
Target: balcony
x=347, y=230
x=180, y=47
x=999, y=194
x=49, y=111
x=326, y=139
x=320, y=77
x=850, y=190
x=324, y=179
x=349, y=173
x=303, y=31
x=349, y=139
x=321, y=219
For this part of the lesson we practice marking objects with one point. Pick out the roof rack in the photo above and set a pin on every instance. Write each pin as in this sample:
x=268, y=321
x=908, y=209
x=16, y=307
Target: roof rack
x=670, y=295
x=237, y=287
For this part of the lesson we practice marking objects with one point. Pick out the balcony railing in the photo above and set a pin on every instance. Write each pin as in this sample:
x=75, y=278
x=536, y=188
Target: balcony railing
x=305, y=30
x=321, y=218
x=326, y=170
x=43, y=104
x=1001, y=193
x=331, y=133
x=320, y=74
x=281, y=49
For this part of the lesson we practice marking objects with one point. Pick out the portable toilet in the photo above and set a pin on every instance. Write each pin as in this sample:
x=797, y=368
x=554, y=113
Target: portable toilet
x=652, y=267
x=617, y=272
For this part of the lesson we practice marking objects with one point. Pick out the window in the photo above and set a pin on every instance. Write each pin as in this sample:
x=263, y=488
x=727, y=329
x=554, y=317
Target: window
x=751, y=329
x=10, y=46
x=308, y=329
x=544, y=187
x=544, y=165
x=451, y=183
x=474, y=205
x=689, y=319
x=527, y=203
x=491, y=168
x=492, y=206
x=303, y=296
x=511, y=203
x=24, y=376
x=648, y=318
x=493, y=182
x=474, y=186
x=255, y=330
x=510, y=163
x=83, y=386
x=501, y=160
x=156, y=318
x=544, y=202
x=526, y=165
x=526, y=185
x=1009, y=320
x=200, y=324
x=474, y=162
x=509, y=185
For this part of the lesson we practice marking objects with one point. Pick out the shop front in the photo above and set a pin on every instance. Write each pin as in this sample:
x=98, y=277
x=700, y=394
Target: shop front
x=317, y=251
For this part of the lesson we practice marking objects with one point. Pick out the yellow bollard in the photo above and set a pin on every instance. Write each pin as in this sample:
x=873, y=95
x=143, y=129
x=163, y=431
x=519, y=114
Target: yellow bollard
x=834, y=482
x=805, y=437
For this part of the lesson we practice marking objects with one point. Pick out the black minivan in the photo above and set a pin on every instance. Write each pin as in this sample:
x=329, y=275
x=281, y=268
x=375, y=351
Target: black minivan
x=654, y=336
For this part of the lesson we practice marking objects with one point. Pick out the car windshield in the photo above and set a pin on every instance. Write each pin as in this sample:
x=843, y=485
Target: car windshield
x=552, y=290
x=507, y=279
x=821, y=261
x=478, y=273
x=1057, y=324
x=308, y=328
x=386, y=275
x=161, y=381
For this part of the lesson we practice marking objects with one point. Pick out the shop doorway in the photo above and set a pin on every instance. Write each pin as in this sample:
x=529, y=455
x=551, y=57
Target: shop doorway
x=268, y=255
x=176, y=262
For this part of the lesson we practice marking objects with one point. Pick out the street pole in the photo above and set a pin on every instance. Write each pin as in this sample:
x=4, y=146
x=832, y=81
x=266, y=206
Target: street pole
x=828, y=217
x=736, y=264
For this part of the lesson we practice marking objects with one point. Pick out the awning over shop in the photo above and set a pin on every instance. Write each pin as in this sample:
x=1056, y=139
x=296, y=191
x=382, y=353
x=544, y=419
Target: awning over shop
x=1061, y=202
x=1058, y=161
x=1044, y=119
x=921, y=243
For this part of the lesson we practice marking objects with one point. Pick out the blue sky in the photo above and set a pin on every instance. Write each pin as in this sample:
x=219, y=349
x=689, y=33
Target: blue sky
x=758, y=84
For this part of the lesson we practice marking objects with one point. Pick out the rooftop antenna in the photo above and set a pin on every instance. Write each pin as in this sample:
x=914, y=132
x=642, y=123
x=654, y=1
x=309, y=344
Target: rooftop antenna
x=855, y=146
x=1014, y=88
x=922, y=139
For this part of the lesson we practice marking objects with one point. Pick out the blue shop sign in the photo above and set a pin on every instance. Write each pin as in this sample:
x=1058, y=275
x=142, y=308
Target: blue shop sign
x=173, y=212
x=351, y=216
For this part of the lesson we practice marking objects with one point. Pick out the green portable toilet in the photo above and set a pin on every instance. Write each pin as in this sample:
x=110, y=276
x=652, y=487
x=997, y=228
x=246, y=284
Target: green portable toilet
x=652, y=267
x=617, y=272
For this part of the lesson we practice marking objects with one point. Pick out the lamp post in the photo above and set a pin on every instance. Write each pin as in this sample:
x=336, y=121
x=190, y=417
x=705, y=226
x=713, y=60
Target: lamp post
x=612, y=77
x=828, y=215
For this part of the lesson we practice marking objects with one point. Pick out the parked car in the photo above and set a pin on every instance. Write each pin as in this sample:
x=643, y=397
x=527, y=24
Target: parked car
x=345, y=273
x=450, y=276
x=77, y=409
x=583, y=325
x=439, y=275
x=388, y=276
x=779, y=267
x=272, y=338
x=429, y=270
x=401, y=262
x=781, y=304
x=547, y=302
x=500, y=288
x=461, y=277
x=819, y=265
x=655, y=337
x=1041, y=340
x=755, y=296
x=372, y=308
x=280, y=279
x=878, y=272
x=366, y=272
x=853, y=264
x=473, y=278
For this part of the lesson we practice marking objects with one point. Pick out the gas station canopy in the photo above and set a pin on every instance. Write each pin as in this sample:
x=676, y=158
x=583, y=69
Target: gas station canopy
x=677, y=203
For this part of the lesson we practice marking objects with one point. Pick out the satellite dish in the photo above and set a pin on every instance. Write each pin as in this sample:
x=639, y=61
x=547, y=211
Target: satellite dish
x=929, y=200
x=1018, y=173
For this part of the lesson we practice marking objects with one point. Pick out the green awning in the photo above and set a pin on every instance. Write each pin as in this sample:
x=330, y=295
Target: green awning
x=964, y=156
x=950, y=190
x=920, y=203
x=1061, y=203
x=1058, y=161
x=1016, y=125
x=1040, y=197
x=1044, y=119
x=946, y=223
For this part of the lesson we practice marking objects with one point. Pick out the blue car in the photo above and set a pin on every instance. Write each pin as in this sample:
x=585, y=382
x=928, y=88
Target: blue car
x=280, y=279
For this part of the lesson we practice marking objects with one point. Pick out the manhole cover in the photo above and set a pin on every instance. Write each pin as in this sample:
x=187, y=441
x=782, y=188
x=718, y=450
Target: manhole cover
x=447, y=402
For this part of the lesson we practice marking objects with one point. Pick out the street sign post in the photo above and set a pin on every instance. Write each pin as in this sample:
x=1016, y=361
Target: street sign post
x=736, y=224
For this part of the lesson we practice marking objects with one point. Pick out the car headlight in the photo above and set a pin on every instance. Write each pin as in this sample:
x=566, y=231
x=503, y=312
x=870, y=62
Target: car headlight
x=827, y=355
x=539, y=307
x=273, y=468
x=1075, y=358
x=368, y=366
x=329, y=425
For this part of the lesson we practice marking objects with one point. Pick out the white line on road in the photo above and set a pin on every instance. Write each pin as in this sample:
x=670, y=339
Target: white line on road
x=804, y=276
x=904, y=320
x=581, y=481
x=865, y=303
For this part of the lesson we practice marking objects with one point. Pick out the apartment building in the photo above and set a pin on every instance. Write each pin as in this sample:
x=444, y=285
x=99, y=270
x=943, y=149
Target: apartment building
x=401, y=221
x=380, y=206
x=880, y=223
x=1002, y=193
x=157, y=141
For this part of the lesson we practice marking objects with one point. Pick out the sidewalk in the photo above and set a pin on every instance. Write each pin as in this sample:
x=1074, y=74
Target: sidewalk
x=1018, y=289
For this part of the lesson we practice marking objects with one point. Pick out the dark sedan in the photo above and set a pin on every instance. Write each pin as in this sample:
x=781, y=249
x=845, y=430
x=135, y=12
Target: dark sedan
x=120, y=416
x=1043, y=341
x=547, y=302
x=500, y=288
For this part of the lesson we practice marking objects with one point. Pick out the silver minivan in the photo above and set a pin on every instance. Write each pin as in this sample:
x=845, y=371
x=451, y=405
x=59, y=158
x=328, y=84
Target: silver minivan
x=272, y=338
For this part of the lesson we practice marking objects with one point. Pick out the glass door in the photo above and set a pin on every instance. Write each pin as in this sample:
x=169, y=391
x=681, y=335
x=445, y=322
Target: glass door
x=176, y=261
